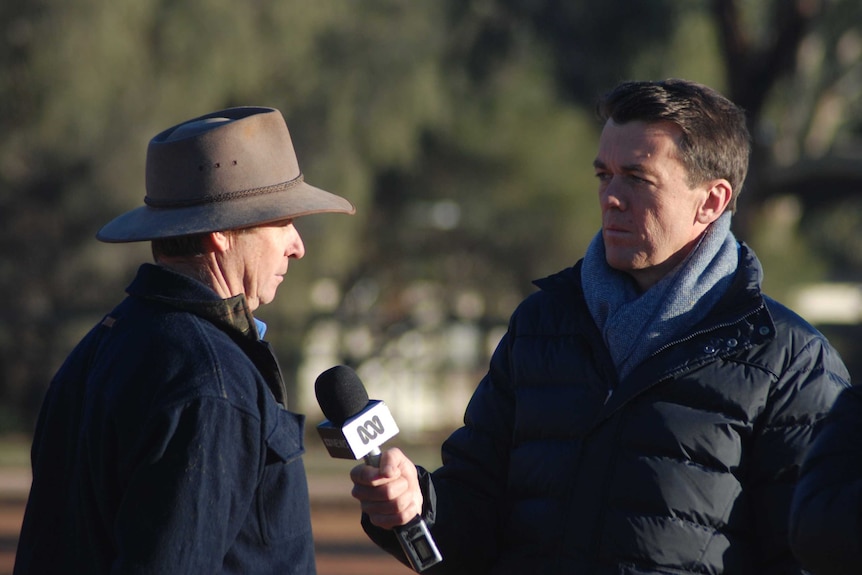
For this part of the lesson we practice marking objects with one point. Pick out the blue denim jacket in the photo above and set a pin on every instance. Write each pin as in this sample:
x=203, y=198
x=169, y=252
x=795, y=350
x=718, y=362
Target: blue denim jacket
x=163, y=446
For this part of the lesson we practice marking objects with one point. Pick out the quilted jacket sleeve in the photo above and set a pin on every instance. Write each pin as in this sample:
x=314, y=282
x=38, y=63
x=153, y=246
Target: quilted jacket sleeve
x=471, y=482
x=811, y=379
x=826, y=516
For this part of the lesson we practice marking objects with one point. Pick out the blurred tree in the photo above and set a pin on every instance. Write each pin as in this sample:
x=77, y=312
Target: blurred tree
x=593, y=45
x=796, y=67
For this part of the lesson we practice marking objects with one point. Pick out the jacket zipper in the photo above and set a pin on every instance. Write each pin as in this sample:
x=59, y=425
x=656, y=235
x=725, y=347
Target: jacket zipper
x=698, y=333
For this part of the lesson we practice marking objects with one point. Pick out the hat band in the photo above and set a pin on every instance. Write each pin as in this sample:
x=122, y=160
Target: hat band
x=226, y=196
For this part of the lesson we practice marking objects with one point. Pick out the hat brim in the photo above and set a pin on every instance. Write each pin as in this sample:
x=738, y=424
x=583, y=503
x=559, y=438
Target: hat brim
x=148, y=223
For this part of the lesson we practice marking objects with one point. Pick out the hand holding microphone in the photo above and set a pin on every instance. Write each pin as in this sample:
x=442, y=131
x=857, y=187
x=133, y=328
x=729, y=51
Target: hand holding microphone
x=390, y=494
x=356, y=427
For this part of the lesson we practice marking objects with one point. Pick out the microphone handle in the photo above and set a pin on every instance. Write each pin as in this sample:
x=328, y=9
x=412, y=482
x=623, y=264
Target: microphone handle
x=414, y=537
x=372, y=458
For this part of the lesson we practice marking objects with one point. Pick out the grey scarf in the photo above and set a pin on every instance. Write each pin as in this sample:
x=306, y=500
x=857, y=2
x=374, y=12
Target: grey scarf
x=635, y=324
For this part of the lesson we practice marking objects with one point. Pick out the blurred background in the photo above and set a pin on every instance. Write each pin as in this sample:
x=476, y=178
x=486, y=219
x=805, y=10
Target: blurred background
x=464, y=132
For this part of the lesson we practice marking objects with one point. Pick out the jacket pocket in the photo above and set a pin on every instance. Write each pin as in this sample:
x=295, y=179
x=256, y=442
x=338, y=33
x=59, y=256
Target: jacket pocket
x=282, y=499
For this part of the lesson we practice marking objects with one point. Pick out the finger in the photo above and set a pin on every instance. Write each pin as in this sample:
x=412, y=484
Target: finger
x=393, y=463
x=389, y=514
x=370, y=475
x=384, y=490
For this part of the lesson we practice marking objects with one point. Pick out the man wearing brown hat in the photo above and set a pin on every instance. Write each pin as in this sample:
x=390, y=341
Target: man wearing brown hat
x=164, y=444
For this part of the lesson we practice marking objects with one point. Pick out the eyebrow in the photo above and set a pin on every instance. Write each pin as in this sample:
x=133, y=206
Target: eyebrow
x=628, y=168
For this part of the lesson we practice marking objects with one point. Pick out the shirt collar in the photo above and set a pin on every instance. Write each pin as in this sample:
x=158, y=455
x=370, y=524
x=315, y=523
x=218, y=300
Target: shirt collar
x=261, y=327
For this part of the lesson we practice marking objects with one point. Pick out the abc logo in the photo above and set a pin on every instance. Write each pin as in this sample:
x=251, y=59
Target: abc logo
x=370, y=429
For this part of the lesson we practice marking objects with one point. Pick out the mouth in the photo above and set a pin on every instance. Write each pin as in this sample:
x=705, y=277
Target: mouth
x=615, y=230
x=616, y=235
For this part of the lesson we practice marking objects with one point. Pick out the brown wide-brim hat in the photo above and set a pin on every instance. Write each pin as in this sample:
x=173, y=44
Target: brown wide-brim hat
x=231, y=169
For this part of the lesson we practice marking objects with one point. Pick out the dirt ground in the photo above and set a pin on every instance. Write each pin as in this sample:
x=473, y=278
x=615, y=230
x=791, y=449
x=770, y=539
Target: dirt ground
x=341, y=546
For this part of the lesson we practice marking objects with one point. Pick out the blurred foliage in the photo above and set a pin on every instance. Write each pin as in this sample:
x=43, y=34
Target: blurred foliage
x=461, y=129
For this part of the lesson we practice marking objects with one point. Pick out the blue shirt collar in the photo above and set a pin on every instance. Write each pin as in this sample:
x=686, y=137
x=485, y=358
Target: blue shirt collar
x=261, y=327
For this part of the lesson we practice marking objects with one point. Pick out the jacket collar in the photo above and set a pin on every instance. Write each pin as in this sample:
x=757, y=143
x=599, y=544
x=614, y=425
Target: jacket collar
x=160, y=284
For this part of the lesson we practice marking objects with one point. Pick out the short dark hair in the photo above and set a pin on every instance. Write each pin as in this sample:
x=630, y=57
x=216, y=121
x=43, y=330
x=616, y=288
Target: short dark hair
x=180, y=246
x=715, y=139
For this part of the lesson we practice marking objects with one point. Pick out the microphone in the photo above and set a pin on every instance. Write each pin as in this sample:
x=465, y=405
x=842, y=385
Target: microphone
x=355, y=428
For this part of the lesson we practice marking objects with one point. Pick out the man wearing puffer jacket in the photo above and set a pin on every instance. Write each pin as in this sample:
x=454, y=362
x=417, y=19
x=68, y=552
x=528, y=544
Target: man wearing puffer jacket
x=648, y=409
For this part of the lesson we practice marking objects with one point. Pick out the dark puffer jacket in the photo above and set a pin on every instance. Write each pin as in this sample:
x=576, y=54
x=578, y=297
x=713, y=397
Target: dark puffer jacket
x=686, y=466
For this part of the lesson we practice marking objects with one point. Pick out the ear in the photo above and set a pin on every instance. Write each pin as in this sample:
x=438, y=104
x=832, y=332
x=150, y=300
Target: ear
x=718, y=196
x=219, y=242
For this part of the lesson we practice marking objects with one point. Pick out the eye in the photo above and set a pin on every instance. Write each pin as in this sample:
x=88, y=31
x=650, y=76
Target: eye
x=603, y=176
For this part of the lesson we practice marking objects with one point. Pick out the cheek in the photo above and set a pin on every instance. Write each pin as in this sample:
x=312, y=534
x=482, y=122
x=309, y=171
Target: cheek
x=663, y=220
x=670, y=237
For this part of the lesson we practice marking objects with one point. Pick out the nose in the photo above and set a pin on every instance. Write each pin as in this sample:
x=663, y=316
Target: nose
x=610, y=196
x=295, y=245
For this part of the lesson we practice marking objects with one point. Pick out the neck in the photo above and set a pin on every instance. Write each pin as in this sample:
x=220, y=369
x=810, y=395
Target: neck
x=202, y=268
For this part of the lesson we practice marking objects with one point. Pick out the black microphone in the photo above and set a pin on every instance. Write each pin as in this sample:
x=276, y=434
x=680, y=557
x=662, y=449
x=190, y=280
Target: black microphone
x=356, y=427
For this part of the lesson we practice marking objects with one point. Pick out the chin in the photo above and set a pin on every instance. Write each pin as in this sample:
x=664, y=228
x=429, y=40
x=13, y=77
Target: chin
x=263, y=300
x=619, y=263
